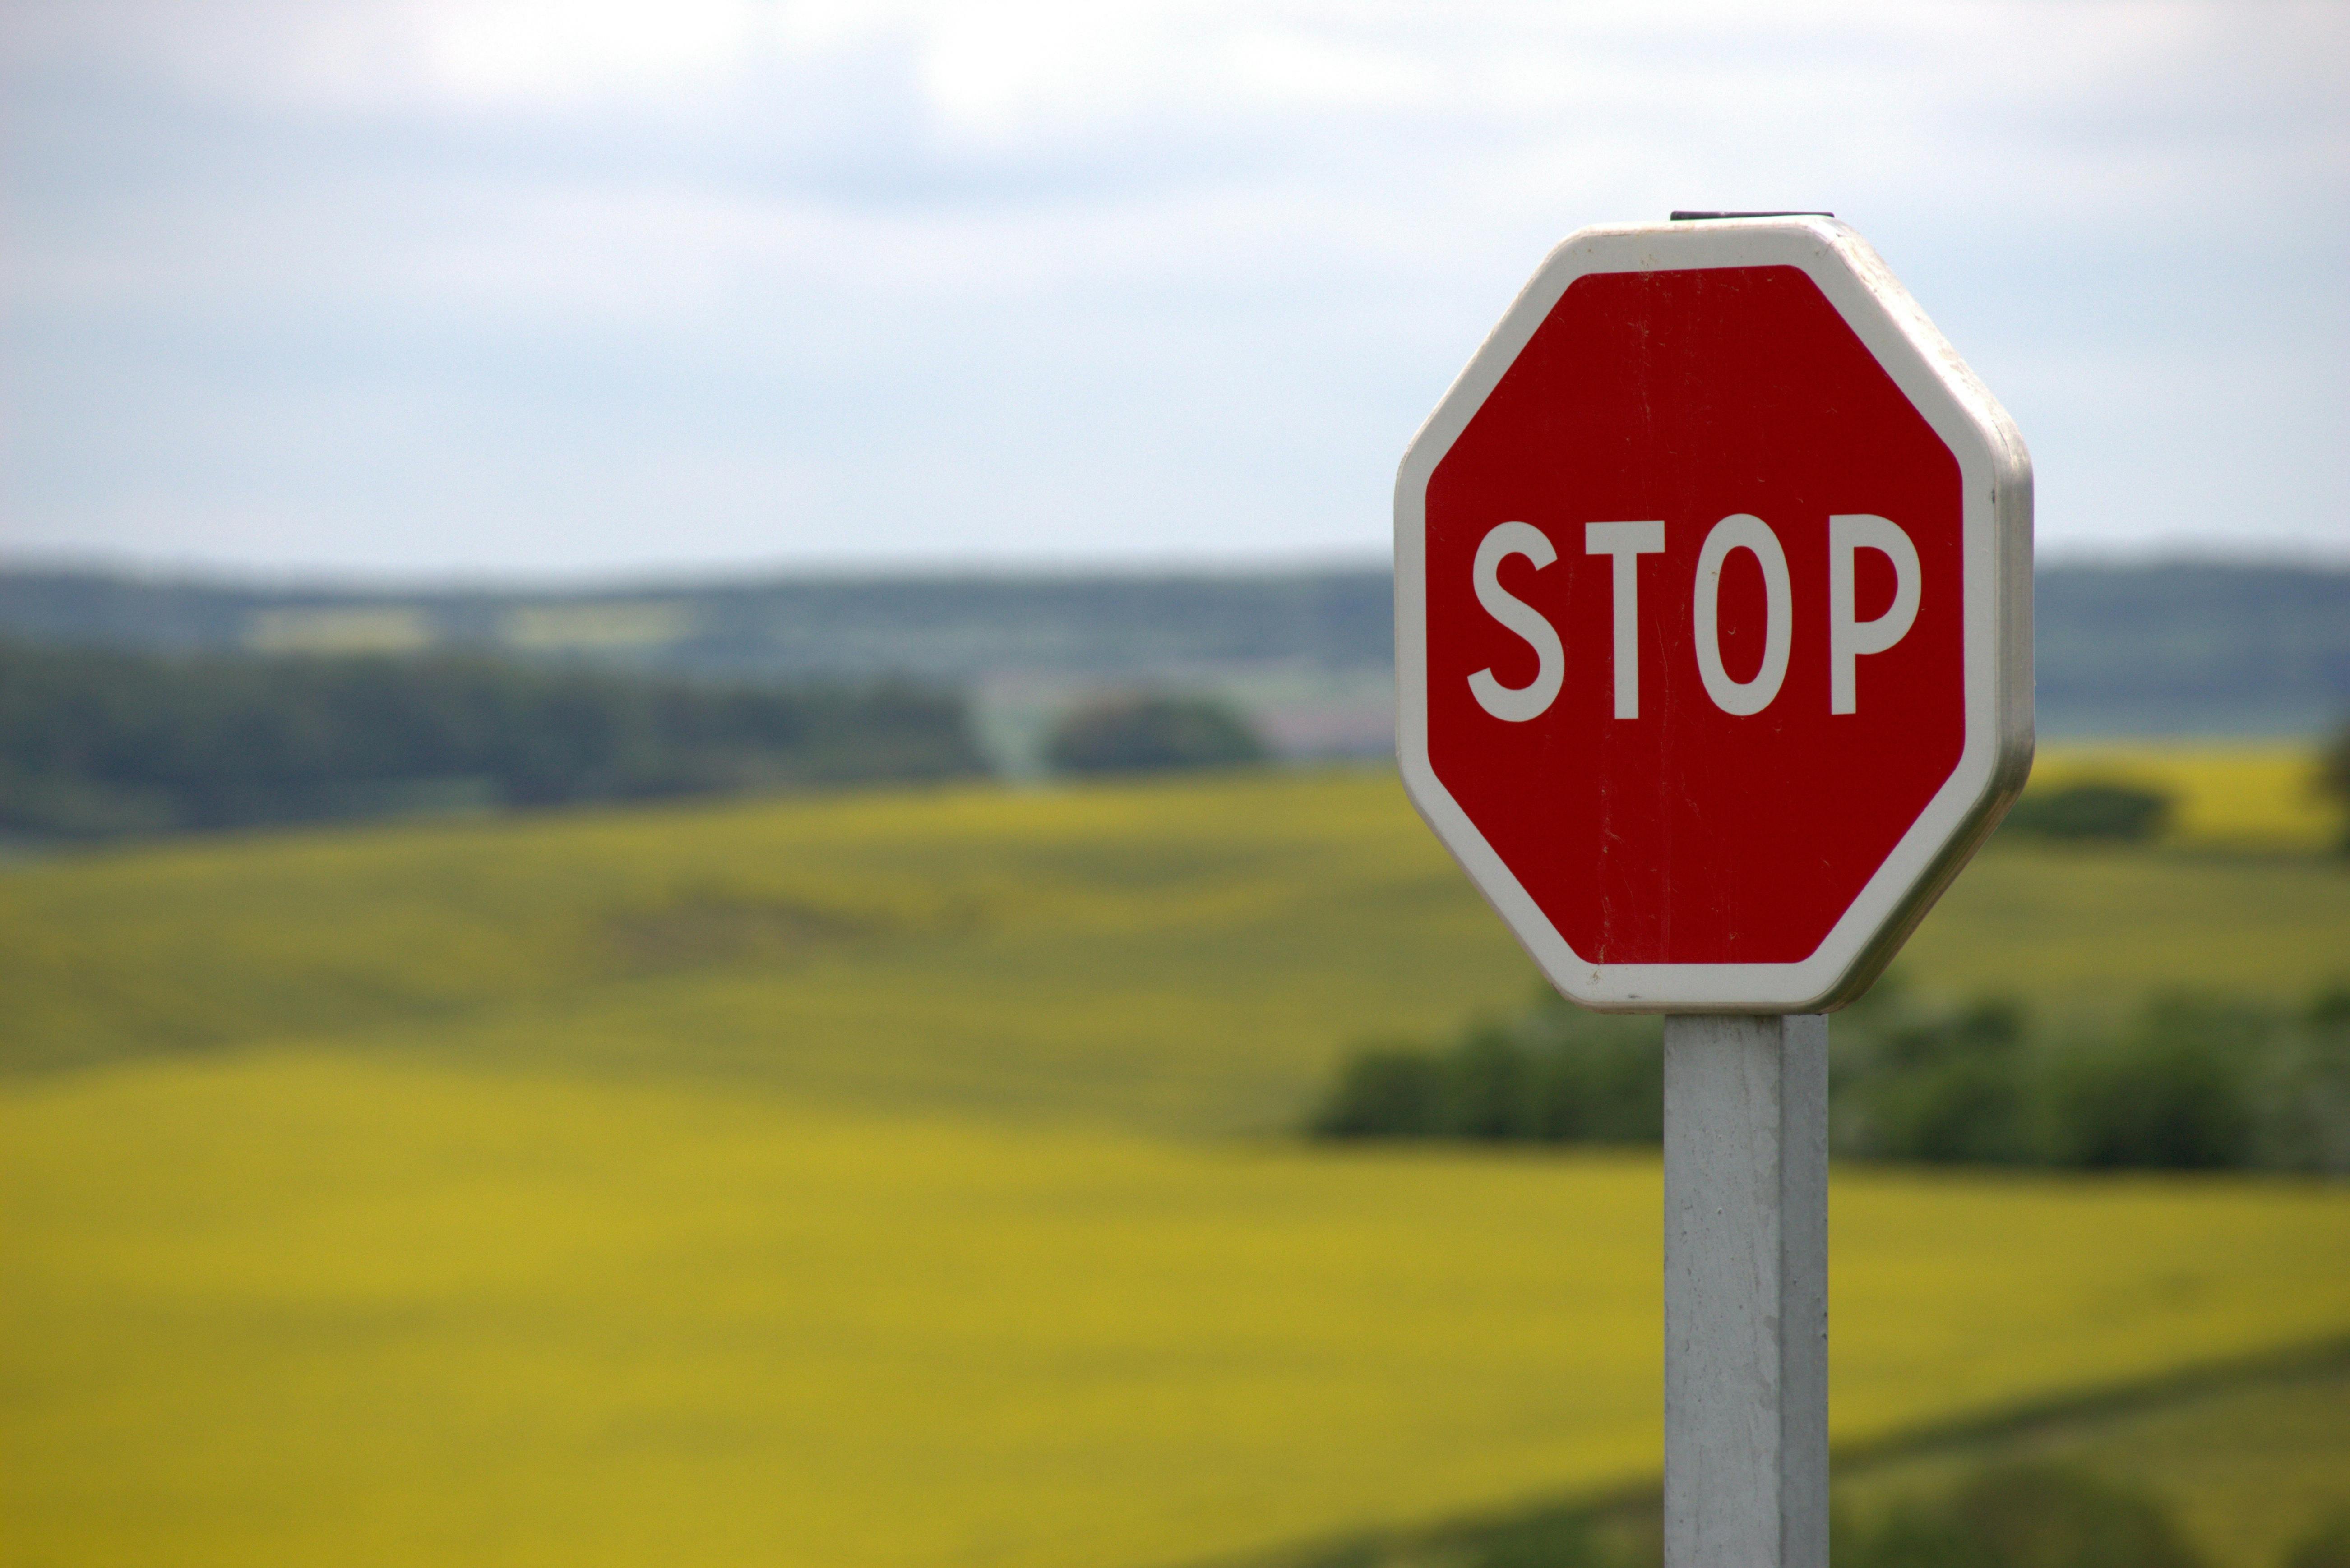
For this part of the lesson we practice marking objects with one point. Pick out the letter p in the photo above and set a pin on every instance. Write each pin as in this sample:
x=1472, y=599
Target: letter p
x=1848, y=639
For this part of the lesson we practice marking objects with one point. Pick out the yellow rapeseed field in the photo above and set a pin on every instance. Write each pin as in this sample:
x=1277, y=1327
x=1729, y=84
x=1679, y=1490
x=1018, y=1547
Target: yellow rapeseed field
x=900, y=1179
x=314, y=1305
x=1186, y=956
x=2235, y=795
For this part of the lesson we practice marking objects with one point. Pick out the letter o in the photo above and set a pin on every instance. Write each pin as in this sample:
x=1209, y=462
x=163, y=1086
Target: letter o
x=1744, y=531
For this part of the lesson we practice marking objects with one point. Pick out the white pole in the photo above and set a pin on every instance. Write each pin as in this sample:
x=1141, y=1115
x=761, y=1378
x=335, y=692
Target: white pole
x=1746, y=1311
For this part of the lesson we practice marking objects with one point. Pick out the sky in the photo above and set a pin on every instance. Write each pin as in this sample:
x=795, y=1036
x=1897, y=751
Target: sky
x=505, y=290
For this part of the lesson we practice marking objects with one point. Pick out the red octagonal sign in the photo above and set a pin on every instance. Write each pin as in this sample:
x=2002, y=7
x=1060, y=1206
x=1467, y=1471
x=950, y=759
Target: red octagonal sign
x=1713, y=597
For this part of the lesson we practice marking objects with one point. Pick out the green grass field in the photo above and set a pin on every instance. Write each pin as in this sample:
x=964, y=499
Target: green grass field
x=887, y=1180
x=1184, y=957
x=2247, y=1458
x=2248, y=1463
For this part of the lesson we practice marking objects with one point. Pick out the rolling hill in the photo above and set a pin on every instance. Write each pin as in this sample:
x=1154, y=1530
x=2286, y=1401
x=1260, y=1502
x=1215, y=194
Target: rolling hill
x=900, y=1179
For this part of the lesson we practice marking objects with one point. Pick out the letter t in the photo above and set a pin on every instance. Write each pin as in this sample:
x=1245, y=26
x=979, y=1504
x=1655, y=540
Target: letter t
x=1627, y=541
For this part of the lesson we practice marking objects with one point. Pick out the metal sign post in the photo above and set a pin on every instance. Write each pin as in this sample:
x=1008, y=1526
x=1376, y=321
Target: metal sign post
x=1713, y=667
x=1746, y=1302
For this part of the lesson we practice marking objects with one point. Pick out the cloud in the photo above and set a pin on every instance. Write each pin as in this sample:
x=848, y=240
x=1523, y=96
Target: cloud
x=581, y=286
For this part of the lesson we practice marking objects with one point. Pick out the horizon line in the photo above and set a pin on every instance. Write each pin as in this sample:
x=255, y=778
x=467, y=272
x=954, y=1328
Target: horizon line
x=359, y=581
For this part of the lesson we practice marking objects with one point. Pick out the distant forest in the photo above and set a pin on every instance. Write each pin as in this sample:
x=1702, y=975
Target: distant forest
x=98, y=744
x=2159, y=648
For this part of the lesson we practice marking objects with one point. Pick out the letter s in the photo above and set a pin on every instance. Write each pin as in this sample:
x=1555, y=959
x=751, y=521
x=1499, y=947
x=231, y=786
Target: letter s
x=1517, y=705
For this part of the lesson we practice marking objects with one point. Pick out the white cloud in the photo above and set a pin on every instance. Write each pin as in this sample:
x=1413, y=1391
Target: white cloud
x=966, y=278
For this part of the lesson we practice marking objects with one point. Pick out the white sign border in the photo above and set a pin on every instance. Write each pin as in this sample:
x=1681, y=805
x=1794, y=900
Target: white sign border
x=1995, y=471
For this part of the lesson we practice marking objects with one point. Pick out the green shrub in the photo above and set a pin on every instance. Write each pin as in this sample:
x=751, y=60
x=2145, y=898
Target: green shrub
x=1542, y=1538
x=1972, y=1111
x=2173, y=1093
x=1551, y=1074
x=2334, y=776
x=96, y=744
x=1593, y=1078
x=1547, y=1540
x=1384, y=1092
x=2023, y=1516
x=1141, y=733
x=1486, y=1084
x=2303, y=1093
x=1914, y=1535
x=2327, y=1545
x=2187, y=1084
x=2048, y=1516
x=1941, y=1087
x=2129, y=813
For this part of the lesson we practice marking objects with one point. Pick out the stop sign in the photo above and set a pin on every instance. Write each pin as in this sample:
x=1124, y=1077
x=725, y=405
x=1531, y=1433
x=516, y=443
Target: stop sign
x=1713, y=600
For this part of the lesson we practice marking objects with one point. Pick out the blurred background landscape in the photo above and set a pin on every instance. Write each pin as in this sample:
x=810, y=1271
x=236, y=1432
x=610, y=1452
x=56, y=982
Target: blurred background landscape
x=699, y=858
x=2167, y=649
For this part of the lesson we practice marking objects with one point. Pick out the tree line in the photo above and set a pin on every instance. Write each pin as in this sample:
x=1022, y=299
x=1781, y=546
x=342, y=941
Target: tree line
x=2187, y=1083
x=98, y=744
x=2161, y=648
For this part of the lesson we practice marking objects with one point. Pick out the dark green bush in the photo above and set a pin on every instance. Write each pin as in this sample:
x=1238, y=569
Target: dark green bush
x=2049, y=1516
x=2129, y=813
x=1139, y=733
x=1913, y=1535
x=2023, y=1516
x=1486, y=1088
x=2187, y=1084
x=2303, y=1094
x=1971, y=1111
x=1551, y=1074
x=1541, y=1540
x=2333, y=778
x=2172, y=1092
x=1944, y=1088
x=2326, y=1545
x=94, y=743
x=1593, y=1078
x=1384, y=1092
